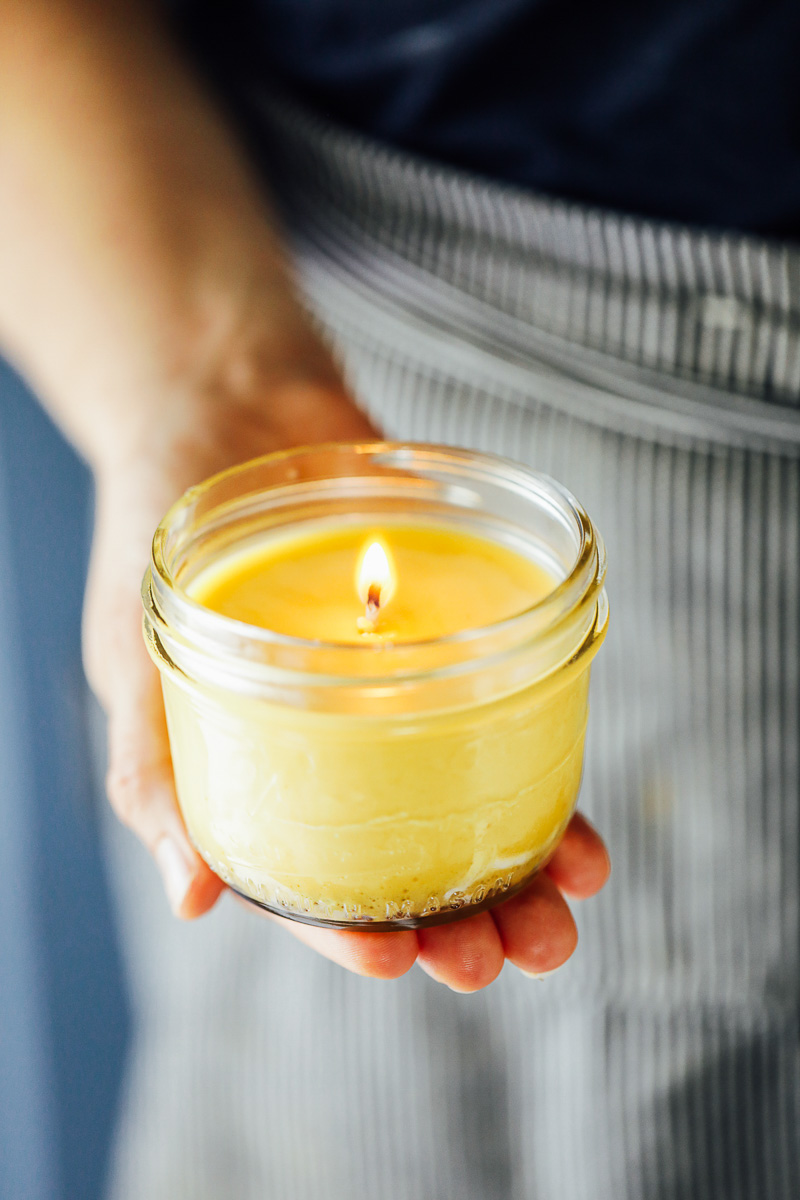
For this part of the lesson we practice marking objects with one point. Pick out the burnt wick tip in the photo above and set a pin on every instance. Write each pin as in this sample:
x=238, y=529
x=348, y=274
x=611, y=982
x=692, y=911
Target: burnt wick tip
x=373, y=600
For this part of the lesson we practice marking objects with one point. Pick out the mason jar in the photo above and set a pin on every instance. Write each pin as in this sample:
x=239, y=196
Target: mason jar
x=368, y=785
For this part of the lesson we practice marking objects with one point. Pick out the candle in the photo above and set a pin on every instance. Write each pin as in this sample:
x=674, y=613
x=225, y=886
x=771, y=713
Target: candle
x=376, y=697
x=402, y=583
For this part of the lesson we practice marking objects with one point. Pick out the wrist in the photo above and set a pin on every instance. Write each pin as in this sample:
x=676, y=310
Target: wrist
x=263, y=367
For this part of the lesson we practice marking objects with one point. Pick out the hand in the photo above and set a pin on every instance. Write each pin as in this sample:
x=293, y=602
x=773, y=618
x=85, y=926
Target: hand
x=534, y=930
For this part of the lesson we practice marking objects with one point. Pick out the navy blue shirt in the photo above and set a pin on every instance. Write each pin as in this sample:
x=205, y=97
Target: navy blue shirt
x=681, y=109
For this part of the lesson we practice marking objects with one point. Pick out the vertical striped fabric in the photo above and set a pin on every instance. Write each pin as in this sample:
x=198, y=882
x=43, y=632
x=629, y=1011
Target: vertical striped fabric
x=656, y=373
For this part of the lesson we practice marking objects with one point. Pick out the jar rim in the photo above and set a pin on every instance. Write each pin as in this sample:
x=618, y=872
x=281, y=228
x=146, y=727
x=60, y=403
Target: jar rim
x=169, y=607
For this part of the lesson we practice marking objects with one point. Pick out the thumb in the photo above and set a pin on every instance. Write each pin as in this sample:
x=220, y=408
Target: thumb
x=142, y=793
x=140, y=782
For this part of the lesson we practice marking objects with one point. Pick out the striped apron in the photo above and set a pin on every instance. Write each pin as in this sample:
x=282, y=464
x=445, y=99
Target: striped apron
x=655, y=371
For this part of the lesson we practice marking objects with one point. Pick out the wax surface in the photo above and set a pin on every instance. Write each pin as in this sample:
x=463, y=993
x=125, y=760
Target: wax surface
x=305, y=585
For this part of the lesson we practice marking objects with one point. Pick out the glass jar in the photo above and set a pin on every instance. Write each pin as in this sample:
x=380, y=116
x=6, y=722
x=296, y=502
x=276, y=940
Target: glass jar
x=377, y=786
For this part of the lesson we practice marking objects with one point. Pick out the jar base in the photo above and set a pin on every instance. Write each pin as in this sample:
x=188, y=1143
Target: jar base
x=367, y=924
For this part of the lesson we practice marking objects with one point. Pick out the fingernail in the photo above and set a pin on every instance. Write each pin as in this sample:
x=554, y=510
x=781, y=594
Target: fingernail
x=175, y=872
x=537, y=975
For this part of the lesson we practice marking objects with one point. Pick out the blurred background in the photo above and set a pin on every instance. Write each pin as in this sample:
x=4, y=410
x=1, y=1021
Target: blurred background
x=64, y=1008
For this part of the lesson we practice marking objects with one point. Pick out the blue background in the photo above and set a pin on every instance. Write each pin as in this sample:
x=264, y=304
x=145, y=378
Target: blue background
x=63, y=1010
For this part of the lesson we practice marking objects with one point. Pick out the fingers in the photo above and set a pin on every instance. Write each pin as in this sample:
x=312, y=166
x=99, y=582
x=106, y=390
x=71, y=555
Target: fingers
x=536, y=928
x=580, y=865
x=466, y=955
x=378, y=955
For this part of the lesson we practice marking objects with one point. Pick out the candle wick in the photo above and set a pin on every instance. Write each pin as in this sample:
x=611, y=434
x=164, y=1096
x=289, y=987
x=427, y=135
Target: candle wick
x=373, y=601
x=368, y=623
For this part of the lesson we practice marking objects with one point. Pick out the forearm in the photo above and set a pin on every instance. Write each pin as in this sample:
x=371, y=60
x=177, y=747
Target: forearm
x=138, y=258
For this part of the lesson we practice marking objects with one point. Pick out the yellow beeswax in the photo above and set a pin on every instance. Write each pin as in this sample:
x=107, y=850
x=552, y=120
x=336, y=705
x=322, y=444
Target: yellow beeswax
x=304, y=585
x=347, y=816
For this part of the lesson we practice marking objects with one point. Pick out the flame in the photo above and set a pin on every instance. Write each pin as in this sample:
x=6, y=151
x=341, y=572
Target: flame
x=375, y=575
